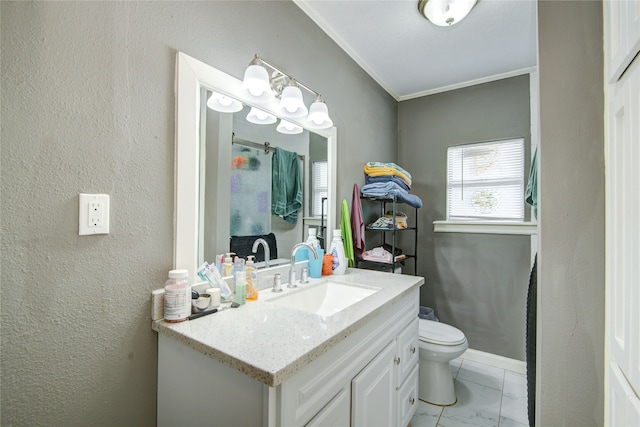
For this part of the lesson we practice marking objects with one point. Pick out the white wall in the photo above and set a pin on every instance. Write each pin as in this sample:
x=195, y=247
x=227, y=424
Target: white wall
x=571, y=215
x=88, y=106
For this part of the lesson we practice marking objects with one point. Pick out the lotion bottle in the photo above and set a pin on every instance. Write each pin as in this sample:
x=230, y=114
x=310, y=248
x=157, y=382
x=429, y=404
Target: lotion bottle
x=252, y=278
x=337, y=250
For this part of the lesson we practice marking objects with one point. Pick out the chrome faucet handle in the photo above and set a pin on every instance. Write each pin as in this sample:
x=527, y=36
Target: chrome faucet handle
x=305, y=275
x=292, y=278
x=277, y=283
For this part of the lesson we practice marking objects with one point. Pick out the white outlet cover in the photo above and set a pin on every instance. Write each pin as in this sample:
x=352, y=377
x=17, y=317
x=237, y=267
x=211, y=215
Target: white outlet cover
x=93, y=214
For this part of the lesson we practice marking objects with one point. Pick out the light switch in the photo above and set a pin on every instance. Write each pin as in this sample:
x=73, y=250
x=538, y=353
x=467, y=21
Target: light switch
x=93, y=214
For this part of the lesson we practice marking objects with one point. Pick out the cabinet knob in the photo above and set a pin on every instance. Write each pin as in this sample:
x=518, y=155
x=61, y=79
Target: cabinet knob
x=412, y=401
x=413, y=350
x=397, y=360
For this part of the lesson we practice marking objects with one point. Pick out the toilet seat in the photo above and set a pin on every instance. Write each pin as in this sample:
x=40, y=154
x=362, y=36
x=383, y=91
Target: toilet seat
x=440, y=333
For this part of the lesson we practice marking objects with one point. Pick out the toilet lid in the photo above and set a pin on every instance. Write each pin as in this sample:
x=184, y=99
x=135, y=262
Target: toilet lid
x=440, y=333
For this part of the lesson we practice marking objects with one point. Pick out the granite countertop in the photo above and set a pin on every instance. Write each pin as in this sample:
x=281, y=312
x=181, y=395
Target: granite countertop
x=270, y=343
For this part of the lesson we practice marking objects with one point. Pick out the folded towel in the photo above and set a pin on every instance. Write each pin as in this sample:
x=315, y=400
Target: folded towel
x=286, y=185
x=391, y=190
x=384, y=178
x=377, y=254
x=386, y=165
x=387, y=169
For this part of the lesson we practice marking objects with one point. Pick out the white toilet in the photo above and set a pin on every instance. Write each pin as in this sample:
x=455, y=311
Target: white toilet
x=439, y=344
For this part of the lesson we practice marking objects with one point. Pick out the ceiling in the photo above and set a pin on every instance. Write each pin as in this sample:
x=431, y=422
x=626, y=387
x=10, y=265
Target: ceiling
x=411, y=57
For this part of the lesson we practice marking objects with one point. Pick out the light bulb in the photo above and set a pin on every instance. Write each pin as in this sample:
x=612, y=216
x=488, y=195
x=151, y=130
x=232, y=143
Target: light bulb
x=256, y=91
x=291, y=103
x=256, y=83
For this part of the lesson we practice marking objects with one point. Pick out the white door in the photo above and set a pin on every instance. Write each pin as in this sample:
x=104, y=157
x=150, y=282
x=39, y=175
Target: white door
x=336, y=413
x=622, y=321
x=373, y=392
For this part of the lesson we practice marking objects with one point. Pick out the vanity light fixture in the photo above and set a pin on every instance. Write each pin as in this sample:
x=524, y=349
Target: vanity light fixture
x=256, y=81
x=263, y=82
x=445, y=12
x=260, y=117
x=319, y=115
x=291, y=102
x=288, y=128
x=224, y=104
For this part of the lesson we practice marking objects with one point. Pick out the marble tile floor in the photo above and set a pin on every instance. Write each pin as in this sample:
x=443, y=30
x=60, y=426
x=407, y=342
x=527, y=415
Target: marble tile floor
x=487, y=397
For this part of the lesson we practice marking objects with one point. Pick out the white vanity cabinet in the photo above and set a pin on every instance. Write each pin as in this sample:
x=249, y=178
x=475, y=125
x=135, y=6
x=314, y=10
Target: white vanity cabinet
x=369, y=378
x=385, y=392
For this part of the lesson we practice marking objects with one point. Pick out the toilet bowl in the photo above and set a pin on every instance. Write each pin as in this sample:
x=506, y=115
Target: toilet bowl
x=439, y=344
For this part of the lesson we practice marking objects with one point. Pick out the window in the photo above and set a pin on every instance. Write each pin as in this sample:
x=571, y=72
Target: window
x=485, y=181
x=319, y=186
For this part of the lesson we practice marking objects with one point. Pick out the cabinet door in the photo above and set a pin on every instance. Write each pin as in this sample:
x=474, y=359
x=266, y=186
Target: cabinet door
x=373, y=392
x=408, y=398
x=407, y=350
x=336, y=413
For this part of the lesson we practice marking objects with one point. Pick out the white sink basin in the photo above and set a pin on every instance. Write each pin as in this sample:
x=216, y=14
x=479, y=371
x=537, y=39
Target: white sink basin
x=326, y=298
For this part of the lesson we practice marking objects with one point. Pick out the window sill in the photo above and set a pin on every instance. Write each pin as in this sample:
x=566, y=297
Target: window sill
x=485, y=227
x=313, y=220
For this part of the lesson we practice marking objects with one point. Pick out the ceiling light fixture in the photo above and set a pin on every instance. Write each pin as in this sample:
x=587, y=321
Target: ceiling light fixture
x=264, y=82
x=445, y=12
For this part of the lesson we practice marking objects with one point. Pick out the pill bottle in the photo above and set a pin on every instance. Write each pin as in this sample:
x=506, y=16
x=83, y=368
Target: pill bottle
x=177, y=296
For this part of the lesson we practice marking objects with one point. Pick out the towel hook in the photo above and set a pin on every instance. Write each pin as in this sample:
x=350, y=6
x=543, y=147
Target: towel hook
x=267, y=148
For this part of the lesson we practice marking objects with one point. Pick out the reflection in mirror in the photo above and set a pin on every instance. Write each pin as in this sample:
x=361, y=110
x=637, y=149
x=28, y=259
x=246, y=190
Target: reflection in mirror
x=235, y=147
x=204, y=167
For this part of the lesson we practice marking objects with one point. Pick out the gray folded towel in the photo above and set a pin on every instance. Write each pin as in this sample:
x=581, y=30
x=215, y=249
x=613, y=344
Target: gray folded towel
x=427, y=313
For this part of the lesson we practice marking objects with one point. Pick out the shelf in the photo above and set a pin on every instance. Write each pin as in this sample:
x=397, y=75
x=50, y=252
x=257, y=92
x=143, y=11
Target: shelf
x=389, y=236
x=391, y=229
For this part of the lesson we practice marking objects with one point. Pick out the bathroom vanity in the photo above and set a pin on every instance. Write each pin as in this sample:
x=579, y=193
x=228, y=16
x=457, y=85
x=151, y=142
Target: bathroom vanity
x=267, y=363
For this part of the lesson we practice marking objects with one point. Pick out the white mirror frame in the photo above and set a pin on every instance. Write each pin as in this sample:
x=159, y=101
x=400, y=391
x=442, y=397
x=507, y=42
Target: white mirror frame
x=191, y=76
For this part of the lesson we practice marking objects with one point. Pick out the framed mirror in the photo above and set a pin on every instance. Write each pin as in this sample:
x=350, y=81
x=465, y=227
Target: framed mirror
x=194, y=224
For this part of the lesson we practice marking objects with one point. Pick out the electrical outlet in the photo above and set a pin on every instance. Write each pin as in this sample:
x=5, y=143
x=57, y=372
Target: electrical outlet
x=157, y=304
x=93, y=214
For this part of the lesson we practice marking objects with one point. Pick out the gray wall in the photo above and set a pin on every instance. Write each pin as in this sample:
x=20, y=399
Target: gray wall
x=476, y=282
x=88, y=106
x=571, y=210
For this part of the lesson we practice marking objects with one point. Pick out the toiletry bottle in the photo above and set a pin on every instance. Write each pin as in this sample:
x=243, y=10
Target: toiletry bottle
x=227, y=266
x=177, y=296
x=337, y=250
x=312, y=239
x=238, y=265
x=327, y=265
x=241, y=287
x=252, y=278
x=219, y=262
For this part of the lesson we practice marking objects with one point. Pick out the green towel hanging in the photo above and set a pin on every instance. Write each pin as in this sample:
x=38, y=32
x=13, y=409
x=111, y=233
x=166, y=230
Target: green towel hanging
x=347, y=238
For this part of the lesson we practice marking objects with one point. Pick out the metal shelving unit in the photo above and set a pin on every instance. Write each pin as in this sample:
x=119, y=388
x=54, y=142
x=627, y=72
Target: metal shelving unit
x=390, y=236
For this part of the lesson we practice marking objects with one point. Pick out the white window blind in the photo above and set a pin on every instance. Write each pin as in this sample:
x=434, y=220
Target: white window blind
x=485, y=181
x=320, y=185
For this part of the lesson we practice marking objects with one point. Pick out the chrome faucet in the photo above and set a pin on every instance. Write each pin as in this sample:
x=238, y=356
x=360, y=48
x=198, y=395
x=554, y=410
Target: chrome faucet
x=265, y=245
x=292, y=271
